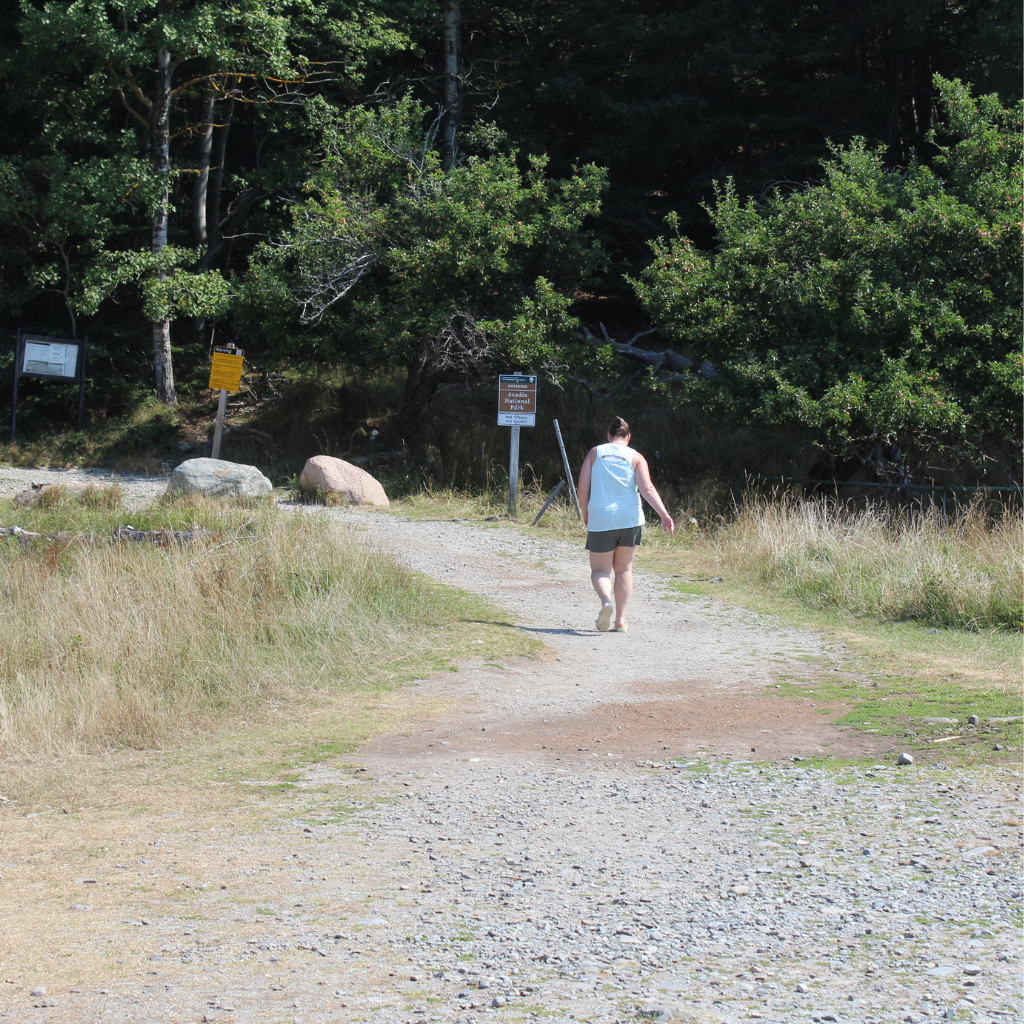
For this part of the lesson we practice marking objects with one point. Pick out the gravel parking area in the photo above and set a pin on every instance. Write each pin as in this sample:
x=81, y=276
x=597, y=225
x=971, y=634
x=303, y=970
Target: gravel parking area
x=138, y=490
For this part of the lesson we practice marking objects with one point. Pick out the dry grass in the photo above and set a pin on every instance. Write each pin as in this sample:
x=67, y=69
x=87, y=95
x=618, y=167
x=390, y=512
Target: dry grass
x=894, y=565
x=107, y=643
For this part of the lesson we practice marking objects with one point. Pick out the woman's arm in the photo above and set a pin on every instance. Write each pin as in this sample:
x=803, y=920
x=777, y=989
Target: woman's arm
x=650, y=492
x=583, y=487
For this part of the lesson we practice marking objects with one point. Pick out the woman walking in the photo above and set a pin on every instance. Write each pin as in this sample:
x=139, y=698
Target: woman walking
x=611, y=481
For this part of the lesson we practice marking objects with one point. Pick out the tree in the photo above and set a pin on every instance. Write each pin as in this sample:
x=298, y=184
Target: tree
x=670, y=95
x=393, y=260
x=881, y=307
x=165, y=69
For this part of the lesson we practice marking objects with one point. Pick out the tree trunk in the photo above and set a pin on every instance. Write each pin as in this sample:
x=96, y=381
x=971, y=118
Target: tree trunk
x=201, y=185
x=161, y=131
x=420, y=389
x=452, y=25
x=201, y=190
x=213, y=209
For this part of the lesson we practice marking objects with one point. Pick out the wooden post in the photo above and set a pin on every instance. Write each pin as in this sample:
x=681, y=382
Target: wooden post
x=551, y=498
x=17, y=371
x=218, y=425
x=513, y=474
x=81, y=379
x=568, y=471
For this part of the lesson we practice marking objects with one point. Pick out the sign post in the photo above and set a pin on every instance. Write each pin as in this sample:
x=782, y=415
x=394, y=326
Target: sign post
x=568, y=471
x=517, y=407
x=225, y=376
x=49, y=359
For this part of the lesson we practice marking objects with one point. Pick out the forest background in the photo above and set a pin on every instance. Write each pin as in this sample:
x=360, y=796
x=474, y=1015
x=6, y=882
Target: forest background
x=780, y=237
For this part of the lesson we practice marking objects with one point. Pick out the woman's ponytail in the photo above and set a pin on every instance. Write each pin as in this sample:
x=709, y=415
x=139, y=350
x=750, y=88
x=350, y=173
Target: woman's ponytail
x=619, y=428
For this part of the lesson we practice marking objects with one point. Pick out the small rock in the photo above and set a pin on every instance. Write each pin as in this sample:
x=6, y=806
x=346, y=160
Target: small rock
x=940, y=721
x=978, y=851
x=740, y=890
x=660, y=1013
x=973, y=720
x=37, y=993
x=498, y=1001
x=802, y=988
x=998, y=746
x=940, y=972
x=905, y=758
x=972, y=971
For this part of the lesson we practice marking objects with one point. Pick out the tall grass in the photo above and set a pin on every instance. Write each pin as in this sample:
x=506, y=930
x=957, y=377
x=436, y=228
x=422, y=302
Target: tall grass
x=966, y=572
x=105, y=642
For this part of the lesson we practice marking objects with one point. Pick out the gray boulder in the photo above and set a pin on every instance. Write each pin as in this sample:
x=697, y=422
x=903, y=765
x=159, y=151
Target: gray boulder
x=216, y=478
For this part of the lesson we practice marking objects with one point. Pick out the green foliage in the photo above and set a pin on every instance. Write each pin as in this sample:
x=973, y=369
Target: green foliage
x=879, y=307
x=391, y=259
x=168, y=290
x=373, y=259
x=80, y=176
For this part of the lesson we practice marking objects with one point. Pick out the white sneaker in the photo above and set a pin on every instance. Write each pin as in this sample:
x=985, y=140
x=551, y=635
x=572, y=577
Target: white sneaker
x=604, y=618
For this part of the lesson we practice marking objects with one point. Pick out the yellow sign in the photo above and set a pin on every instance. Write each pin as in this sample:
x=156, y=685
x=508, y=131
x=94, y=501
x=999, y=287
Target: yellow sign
x=226, y=371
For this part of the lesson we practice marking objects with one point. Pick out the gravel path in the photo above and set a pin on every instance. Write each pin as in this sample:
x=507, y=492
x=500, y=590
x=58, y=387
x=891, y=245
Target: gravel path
x=139, y=490
x=537, y=853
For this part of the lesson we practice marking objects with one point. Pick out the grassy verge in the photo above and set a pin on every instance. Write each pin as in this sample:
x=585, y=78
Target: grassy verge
x=109, y=643
x=926, y=613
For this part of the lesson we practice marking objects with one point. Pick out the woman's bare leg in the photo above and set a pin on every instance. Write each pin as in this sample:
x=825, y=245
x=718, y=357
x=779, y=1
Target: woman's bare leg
x=601, y=574
x=622, y=563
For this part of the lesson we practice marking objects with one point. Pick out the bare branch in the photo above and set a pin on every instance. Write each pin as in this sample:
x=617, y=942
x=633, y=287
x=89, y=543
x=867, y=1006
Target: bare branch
x=667, y=360
x=131, y=110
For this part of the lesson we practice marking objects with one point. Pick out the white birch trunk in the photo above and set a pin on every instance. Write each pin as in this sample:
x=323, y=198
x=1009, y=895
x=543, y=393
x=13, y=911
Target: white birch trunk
x=452, y=24
x=161, y=138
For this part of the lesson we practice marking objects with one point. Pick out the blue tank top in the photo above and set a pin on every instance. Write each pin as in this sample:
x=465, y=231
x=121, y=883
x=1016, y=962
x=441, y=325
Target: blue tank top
x=614, y=500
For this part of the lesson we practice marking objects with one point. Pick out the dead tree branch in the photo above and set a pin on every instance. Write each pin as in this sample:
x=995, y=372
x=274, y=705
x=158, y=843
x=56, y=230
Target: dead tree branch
x=666, y=360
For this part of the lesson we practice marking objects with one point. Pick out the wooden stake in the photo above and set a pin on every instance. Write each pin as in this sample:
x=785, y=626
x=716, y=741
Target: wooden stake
x=551, y=498
x=568, y=471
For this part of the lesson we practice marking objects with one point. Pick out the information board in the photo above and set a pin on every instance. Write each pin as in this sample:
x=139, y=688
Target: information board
x=60, y=359
x=49, y=357
x=517, y=400
x=226, y=370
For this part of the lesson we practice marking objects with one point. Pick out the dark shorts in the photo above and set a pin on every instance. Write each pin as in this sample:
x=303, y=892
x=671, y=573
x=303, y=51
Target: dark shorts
x=604, y=541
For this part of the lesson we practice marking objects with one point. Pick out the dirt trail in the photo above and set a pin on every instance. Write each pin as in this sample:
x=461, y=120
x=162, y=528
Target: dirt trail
x=514, y=859
x=689, y=676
